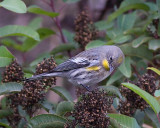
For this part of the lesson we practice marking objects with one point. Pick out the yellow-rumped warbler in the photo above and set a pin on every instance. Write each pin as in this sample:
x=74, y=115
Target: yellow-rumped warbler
x=88, y=67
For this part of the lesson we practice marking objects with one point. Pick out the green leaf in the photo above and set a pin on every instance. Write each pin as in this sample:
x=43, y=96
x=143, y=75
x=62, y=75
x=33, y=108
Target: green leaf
x=94, y=44
x=126, y=8
x=47, y=121
x=140, y=40
x=146, y=96
x=157, y=93
x=112, y=90
x=154, y=44
x=155, y=70
x=5, y=125
x=150, y=113
x=10, y=87
x=62, y=92
x=69, y=36
x=5, y=56
x=45, y=32
x=141, y=51
x=35, y=23
x=17, y=6
x=121, y=39
x=15, y=30
x=62, y=48
x=125, y=67
x=64, y=107
x=49, y=107
x=116, y=76
x=101, y=25
x=126, y=21
x=5, y=112
x=10, y=43
x=123, y=121
x=158, y=5
x=38, y=10
x=70, y=1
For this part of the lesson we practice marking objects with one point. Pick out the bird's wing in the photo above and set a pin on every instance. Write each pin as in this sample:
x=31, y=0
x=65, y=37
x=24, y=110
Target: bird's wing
x=73, y=63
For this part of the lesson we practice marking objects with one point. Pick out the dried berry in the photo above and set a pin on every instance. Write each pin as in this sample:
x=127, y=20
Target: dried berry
x=13, y=73
x=91, y=110
x=85, y=29
x=45, y=66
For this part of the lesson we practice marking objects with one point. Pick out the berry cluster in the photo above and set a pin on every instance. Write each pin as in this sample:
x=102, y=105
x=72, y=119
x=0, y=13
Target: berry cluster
x=85, y=29
x=91, y=110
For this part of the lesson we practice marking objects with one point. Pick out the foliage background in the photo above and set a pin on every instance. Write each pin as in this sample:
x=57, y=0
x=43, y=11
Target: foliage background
x=134, y=26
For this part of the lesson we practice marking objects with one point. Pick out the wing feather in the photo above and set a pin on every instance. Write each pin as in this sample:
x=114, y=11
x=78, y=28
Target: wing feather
x=71, y=64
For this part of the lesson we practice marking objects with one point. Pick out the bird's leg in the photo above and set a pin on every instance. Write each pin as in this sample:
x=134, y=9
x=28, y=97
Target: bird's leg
x=86, y=87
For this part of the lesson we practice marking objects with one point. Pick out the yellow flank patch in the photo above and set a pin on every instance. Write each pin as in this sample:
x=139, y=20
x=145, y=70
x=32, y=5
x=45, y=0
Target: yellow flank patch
x=93, y=68
x=105, y=64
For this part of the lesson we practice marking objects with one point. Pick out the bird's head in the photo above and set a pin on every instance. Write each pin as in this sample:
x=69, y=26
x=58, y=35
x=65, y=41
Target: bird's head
x=114, y=58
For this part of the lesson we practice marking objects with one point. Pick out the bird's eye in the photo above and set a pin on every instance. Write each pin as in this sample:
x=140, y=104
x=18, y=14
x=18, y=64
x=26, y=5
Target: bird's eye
x=110, y=58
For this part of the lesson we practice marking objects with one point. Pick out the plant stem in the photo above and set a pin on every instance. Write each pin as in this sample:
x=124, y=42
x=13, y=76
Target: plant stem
x=57, y=22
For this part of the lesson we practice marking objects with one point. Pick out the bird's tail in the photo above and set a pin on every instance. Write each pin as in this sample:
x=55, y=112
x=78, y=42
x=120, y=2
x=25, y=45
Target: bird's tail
x=41, y=76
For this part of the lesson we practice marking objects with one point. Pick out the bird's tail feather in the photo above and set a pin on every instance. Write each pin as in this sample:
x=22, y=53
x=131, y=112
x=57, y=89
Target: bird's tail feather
x=41, y=76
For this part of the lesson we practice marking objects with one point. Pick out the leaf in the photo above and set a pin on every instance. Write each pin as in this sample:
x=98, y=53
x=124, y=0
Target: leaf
x=10, y=87
x=49, y=107
x=126, y=8
x=154, y=44
x=146, y=96
x=141, y=51
x=121, y=39
x=126, y=21
x=123, y=121
x=62, y=48
x=62, y=92
x=116, y=76
x=150, y=113
x=125, y=67
x=155, y=70
x=5, y=113
x=94, y=44
x=17, y=6
x=69, y=36
x=29, y=43
x=157, y=93
x=101, y=25
x=5, y=56
x=38, y=10
x=140, y=40
x=15, y=30
x=45, y=32
x=35, y=23
x=5, y=125
x=64, y=107
x=47, y=121
x=10, y=43
x=70, y=1
x=112, y=89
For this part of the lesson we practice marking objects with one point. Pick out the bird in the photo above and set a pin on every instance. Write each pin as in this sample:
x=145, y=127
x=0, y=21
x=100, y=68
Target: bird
x=89, y=67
